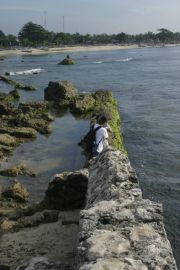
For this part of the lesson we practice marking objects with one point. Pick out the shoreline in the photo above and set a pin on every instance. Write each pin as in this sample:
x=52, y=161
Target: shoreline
x=34, y=51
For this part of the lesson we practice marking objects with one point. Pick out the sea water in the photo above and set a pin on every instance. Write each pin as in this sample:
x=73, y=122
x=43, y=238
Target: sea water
x=146, y=84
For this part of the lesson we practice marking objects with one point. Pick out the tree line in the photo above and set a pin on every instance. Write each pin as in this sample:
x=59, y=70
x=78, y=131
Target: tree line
x=34, y=35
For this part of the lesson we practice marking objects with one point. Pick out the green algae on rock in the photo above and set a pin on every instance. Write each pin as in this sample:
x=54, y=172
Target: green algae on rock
x=17, y=85
x=101, y=102
x=67, y=61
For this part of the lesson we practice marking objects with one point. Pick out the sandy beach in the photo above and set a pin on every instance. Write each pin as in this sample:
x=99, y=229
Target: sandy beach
x=68, y=49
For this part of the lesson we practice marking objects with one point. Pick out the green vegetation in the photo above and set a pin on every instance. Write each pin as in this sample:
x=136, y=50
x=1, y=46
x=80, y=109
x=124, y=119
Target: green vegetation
x=107, y=105
x=98, y=103
x=35, y=35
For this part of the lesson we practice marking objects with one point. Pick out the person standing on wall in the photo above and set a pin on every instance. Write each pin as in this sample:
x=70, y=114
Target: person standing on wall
x=101, y=135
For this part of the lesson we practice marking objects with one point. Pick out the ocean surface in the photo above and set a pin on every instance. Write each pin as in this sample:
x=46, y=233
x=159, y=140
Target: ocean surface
x=146, y=83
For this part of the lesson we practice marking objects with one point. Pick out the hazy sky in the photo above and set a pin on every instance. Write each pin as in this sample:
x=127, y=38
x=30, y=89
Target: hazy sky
x=91, y=16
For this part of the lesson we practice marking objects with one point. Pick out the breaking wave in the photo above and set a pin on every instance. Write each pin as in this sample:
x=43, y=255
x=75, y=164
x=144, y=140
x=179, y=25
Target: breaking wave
x=124, y=60
x=26, y=72
x=114, y=60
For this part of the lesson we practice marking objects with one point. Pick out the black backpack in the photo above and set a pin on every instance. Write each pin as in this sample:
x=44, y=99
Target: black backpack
x=88, y=142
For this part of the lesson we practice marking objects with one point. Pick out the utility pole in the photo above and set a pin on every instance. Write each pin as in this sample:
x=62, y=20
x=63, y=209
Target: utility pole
x=45, y=13
x=63, y=25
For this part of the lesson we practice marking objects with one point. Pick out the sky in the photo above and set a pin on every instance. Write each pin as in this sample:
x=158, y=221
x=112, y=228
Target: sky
x=91, y=16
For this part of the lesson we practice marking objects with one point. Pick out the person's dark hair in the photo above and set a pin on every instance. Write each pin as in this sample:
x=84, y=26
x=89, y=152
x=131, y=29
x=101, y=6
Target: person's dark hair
x=102, y=120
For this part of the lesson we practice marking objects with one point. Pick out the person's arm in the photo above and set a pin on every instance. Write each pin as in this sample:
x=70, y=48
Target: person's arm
x=109, y=128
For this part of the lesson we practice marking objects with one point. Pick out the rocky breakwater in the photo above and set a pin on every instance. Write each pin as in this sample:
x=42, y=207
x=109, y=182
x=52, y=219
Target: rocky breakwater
x=118, y=228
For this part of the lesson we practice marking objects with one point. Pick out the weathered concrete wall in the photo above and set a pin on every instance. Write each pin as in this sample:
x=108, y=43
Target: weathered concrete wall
x=118, y=228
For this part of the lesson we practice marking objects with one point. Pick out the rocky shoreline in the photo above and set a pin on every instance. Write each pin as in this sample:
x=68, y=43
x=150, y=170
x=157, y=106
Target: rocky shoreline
x=116, y=223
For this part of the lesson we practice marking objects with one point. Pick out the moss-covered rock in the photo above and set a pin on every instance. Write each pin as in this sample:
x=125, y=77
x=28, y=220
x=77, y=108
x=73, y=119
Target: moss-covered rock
x=5, y=97
x=83, y=103
x=17, y=170
x=17, y=85
x=67, y=61
x=35, y=107
x=15, y=94
x=16, y=192
x=19, y=132
x=6, y=108
x=105, y=104
x=6, y=139
x=60, y=90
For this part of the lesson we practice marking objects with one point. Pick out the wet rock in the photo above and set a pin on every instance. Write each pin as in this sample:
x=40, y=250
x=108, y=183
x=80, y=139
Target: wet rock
x=82, y=104
x=7, y=225
x=6, y=108
x=53, y=240
x=5, y=97
x=19, y=132
x=1, y=153
x=42, y=263
x=16, y=192
x=15, y=94
x=4, y=267
x=6, y=139
x=37, y=107
x=46, y=216
x=67, y=61
x=17, y=85
x=48, y=117
x=60, y=90
x=41, y=125
x=67, y=190
x=17, y=170
x=5, y=150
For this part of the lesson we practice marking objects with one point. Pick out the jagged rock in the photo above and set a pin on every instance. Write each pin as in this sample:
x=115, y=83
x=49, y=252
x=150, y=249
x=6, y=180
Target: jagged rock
x=5, y=150
x=15, y=94
x=7, y=225
x=17, y=170
x=5, y=97
x=2, y=266
x=82, y=104
x=16, y=192
x=118, y=228
x=36, y=107
x=6, y=139
x=48, y=117
x=42, y=263
x=67, y=61
x=17, y=84
x=6, y=108
x=19, y=132
x=67, y=190
x=45, y=216
x=60, y=90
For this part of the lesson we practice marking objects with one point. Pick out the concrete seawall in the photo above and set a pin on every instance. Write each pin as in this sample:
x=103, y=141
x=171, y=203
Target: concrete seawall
x=118, y=228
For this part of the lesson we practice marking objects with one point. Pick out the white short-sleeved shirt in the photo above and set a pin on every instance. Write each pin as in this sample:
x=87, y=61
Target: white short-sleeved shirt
x=101, y=135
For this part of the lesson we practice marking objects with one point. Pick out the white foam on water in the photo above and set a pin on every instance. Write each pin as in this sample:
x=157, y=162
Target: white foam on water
x=124, y=60
x=26, y=72
x=98, y=62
